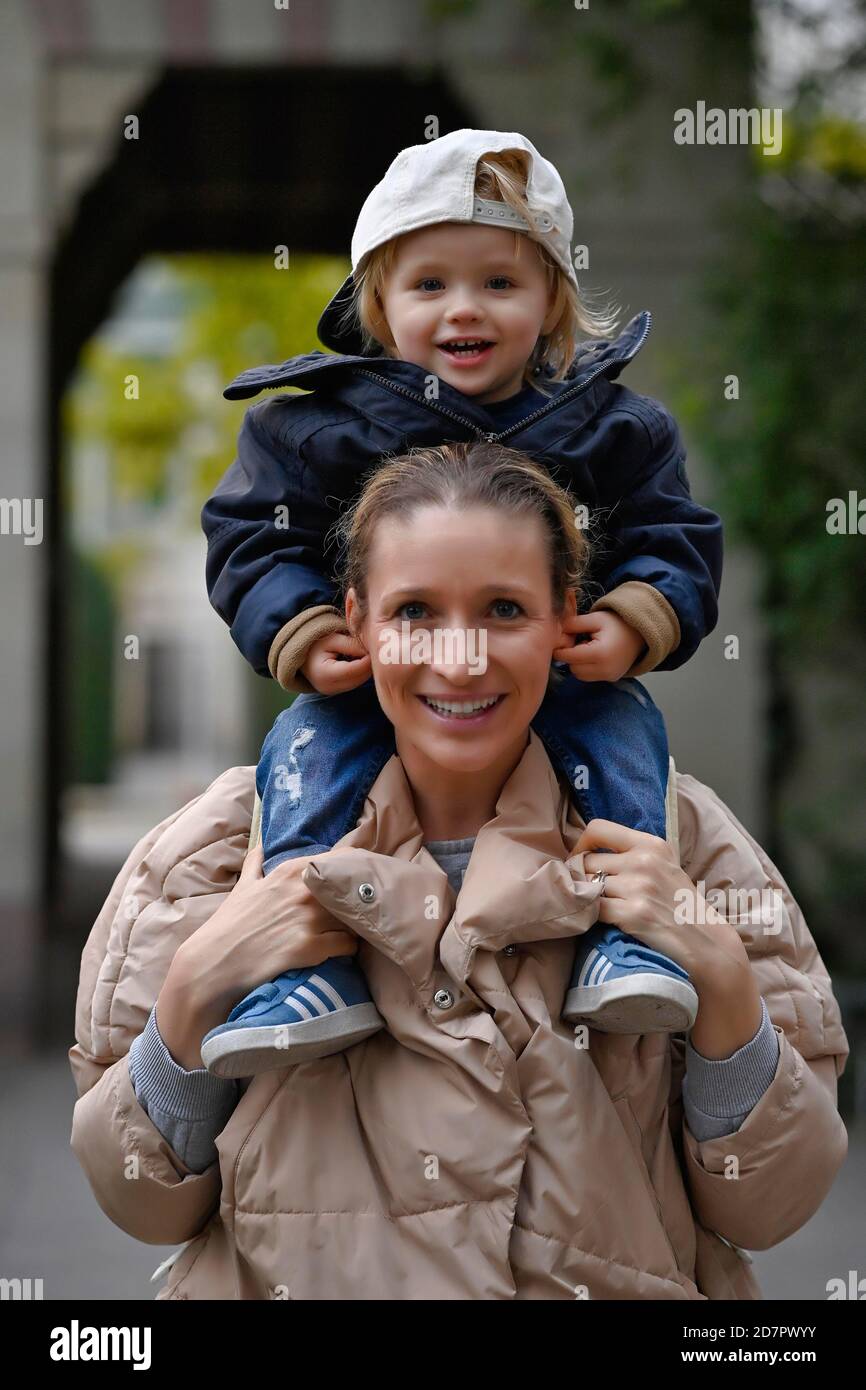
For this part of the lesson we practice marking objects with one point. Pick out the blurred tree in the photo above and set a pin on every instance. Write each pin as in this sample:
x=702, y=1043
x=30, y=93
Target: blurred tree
x=787, y=312
x=789, y=316
x=90, y=683
x=237, y=311
x=158, y=418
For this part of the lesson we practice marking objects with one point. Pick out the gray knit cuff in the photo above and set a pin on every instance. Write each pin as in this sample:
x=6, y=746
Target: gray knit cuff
x=729, y=1088
x=162, y=1083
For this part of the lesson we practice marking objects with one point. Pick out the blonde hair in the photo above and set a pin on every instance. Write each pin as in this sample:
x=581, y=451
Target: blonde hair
x=459, y=476
x=501, y=176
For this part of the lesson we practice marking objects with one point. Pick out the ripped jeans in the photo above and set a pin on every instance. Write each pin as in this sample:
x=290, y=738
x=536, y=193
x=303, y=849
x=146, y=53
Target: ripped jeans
x=324, y=752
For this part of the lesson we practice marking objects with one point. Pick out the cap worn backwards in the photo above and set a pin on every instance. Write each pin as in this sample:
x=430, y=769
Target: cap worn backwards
x=435, y=182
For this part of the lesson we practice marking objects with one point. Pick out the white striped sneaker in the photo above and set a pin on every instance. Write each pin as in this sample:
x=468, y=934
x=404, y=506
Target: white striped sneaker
x=302, y=1015
x=620, y=985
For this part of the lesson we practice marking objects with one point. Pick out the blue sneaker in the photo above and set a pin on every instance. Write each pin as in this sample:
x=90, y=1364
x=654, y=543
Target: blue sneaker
x=299, y=1016
x=620, y=985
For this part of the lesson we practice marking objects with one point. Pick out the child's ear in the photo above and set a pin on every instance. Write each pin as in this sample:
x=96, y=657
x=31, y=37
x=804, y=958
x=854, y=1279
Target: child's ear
x=553, y=310
x=380, y=325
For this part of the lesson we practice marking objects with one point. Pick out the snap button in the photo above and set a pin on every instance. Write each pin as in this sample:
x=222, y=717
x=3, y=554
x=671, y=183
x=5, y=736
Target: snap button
x=546, y=221
x=366, y=892
x=509, y=950
x=443, y=999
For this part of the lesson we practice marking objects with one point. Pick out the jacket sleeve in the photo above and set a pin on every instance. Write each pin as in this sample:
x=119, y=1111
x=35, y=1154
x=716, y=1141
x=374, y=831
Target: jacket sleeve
x=171, y=883
x=757, y=1186
x=656, y=536
x=266, y=525
x=718, y=1094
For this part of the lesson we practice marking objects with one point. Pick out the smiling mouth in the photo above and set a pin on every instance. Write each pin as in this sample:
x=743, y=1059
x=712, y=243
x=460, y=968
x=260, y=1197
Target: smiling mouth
x=466, y=347
x=463, y=711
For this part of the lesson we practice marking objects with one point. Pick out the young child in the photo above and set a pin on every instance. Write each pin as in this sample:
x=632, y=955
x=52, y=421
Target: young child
x=460, y=320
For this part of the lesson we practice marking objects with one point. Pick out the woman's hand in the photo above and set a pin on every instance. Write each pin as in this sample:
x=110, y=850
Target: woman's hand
x=648, y=895
x=265, y=926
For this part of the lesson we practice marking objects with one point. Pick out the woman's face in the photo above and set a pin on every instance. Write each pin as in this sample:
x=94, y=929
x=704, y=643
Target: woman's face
x=481, y=580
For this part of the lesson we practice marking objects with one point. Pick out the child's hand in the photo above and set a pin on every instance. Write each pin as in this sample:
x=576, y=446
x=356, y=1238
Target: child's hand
x=613, y=647
x=330, y=675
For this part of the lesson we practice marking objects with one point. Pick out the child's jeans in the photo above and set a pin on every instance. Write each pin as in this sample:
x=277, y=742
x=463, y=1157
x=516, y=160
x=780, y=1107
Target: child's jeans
x=324, y=753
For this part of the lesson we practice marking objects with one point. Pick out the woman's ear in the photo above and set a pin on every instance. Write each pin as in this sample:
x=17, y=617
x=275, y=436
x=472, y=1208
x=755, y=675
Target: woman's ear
x=353, y=615
x=569, y=610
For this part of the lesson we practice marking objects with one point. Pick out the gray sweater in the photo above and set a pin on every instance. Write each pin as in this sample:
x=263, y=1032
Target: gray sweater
x=190, y=1108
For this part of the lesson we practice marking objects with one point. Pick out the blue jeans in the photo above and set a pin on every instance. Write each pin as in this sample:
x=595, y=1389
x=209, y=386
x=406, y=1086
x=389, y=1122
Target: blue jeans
x=324, y=753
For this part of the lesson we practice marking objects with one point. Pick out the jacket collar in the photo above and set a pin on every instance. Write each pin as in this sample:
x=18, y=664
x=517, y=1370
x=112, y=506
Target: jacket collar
x=523, y=882
x=355, y=377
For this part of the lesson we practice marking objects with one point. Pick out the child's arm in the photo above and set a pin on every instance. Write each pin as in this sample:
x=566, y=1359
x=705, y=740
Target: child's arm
x=661, y=561
x=266, y=572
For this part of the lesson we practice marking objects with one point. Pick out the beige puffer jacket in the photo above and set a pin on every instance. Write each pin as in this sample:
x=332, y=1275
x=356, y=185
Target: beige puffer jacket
x=472, y=1151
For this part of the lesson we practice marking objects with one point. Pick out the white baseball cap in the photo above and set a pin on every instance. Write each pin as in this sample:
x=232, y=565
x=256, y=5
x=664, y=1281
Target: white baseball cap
x=435, y=182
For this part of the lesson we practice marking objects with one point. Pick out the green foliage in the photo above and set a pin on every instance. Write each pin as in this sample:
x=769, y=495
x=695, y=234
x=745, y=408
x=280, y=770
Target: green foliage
x=789, y=320
x=138, y=431
x=248, y=314
x=790, y=323
x=239, y=312
x=167, y=445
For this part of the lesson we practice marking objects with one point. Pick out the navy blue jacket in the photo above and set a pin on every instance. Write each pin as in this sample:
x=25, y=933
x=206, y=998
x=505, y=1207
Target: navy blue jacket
x=618, y=452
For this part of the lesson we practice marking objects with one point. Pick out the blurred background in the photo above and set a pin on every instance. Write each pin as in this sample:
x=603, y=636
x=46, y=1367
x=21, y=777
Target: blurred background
x=153, y=154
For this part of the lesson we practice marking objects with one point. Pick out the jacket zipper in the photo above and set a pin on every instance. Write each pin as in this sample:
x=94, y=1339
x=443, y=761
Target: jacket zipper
x=493, y=438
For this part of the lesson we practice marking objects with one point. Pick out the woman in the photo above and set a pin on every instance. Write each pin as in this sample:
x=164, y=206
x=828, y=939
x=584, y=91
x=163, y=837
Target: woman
x=473, y=1148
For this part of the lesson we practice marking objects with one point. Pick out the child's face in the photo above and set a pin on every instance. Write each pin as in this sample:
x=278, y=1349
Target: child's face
x=466, y=280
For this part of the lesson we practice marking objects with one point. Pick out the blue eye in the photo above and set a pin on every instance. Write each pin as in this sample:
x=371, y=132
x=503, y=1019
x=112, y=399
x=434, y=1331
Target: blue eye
x=413, y=603
x=504, y=278
x=430, y=280
x=509, y=603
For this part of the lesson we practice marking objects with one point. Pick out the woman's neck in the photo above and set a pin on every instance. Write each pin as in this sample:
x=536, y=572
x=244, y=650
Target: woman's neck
x=452, y=804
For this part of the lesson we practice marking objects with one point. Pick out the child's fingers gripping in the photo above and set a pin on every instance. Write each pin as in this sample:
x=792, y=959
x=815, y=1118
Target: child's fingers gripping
x=584, y=622
x=345, y=644
x=340, y=676
x=354, y=673
x=584, y=659
x=577, y=653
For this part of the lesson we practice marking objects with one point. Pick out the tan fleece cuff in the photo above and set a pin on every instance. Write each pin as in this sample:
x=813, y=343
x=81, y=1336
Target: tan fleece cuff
x=650, y=614
x=290, y=647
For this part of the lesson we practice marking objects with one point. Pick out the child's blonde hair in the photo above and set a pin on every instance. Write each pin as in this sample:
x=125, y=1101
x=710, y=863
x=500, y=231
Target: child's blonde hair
x=500, y=175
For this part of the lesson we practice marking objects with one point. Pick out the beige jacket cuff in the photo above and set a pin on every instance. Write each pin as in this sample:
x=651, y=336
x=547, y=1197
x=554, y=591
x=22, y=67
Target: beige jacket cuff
x=650, y=614
x=113, y=1136
x=290, y=647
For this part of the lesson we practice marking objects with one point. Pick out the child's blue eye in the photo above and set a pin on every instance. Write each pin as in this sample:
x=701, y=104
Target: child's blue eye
x=504, y=282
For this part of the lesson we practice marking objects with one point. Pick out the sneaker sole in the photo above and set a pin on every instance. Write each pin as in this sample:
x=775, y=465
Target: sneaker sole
x=248, y=1051
x=634, y=1006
